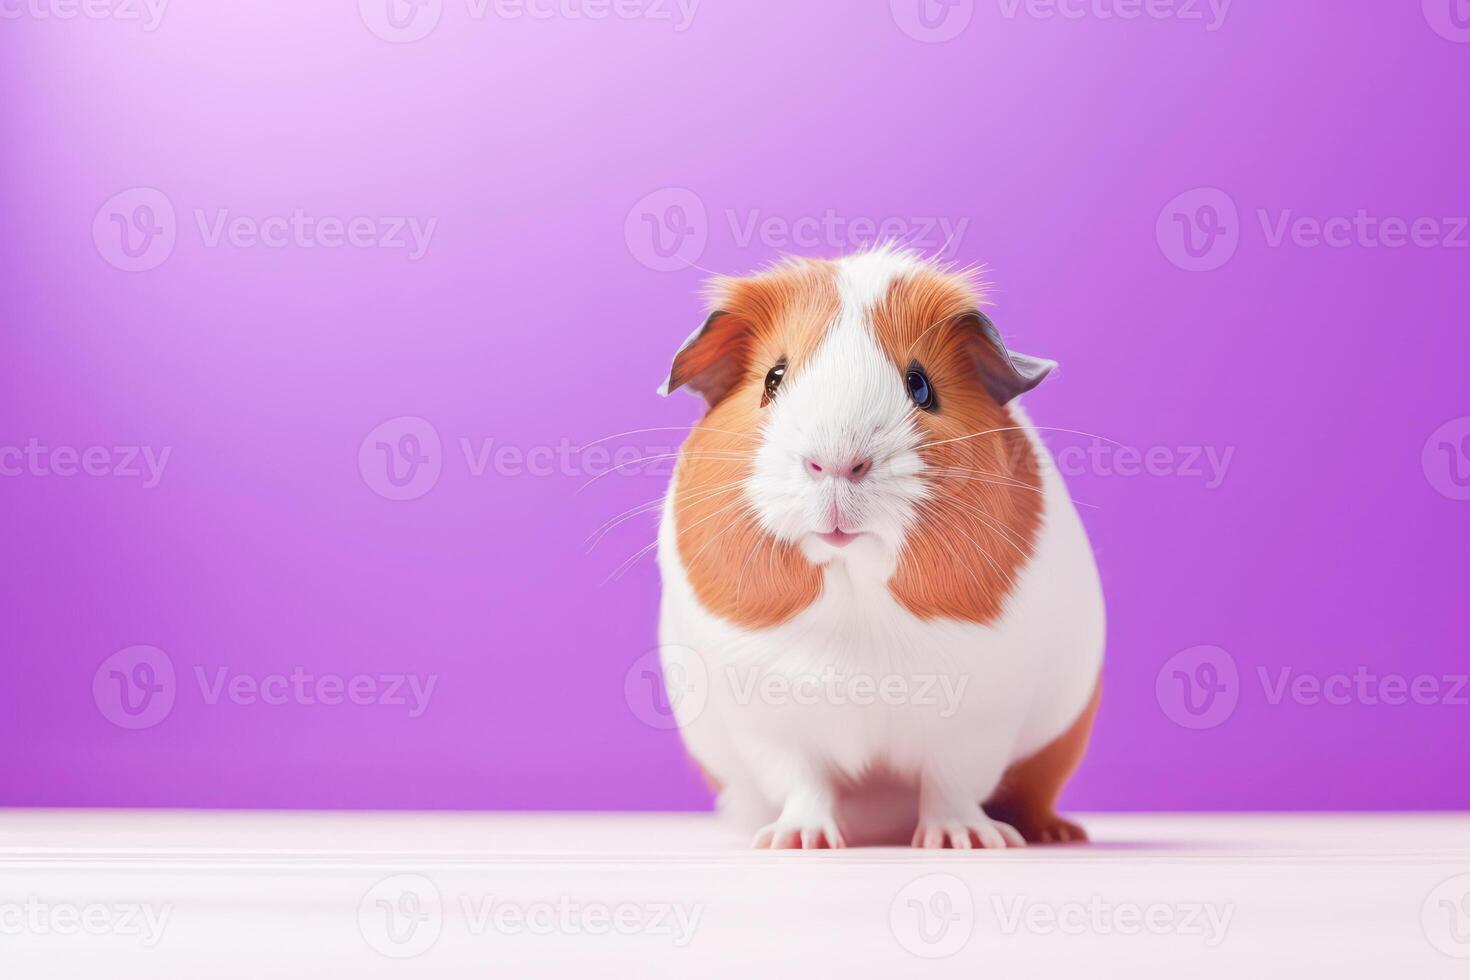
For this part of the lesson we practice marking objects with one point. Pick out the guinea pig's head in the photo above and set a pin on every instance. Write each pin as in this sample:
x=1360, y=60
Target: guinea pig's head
x=857, y=414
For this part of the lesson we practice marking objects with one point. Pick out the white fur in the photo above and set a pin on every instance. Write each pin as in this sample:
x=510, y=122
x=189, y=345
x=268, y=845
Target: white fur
x=779, y=715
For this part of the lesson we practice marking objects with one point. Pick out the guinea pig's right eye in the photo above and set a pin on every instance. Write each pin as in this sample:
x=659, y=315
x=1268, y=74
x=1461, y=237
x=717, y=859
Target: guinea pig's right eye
x=773, y=381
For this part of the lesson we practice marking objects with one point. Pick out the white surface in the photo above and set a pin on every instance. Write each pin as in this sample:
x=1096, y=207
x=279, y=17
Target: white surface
x=261, y=894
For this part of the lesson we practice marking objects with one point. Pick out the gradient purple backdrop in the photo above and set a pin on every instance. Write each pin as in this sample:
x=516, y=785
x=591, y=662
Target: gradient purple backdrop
x=1057, y=146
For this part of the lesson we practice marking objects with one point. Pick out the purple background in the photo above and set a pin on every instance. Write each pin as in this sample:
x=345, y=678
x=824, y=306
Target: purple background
x=533, y=319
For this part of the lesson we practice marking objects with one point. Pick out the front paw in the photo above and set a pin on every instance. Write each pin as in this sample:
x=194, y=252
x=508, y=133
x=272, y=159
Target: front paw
x=803, y=835
x=966, y=833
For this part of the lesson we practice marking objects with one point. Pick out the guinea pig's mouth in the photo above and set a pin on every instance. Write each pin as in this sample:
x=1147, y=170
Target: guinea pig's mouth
x=839, y=538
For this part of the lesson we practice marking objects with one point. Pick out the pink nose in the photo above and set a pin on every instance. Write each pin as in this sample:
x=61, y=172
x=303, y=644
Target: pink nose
x=853, y=470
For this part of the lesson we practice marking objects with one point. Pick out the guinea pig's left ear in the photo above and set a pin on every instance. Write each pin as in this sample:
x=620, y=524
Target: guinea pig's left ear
x=709, y=363
x=1004, y=374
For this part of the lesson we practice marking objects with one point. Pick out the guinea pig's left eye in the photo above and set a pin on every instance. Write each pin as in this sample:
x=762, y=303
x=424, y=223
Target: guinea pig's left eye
x=773, y=381
x=920, y=390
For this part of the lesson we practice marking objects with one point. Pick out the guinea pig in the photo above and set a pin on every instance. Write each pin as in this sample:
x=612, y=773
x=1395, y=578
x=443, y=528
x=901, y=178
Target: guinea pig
x=871, y=566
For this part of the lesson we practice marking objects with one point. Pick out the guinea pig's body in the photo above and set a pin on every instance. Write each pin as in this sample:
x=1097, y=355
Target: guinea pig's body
x=880, y=609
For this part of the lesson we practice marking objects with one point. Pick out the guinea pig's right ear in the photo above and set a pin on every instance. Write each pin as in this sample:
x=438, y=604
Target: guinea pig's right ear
x=1004, y=373
x=710, y=361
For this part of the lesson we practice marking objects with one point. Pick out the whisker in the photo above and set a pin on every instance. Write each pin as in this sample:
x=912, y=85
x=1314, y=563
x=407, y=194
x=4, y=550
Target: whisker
x=993, y=522
x=730, y=456
x=976, y=479
x=633, y=559
x=960, y=562
x=733, y=524
x=1017, y=428
x=940, y=322
x=664, y=428
x=602, y=531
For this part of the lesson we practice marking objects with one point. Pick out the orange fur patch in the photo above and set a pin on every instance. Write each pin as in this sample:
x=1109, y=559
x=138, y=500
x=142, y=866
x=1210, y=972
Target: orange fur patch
x=737, y=569
x=977, y=531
